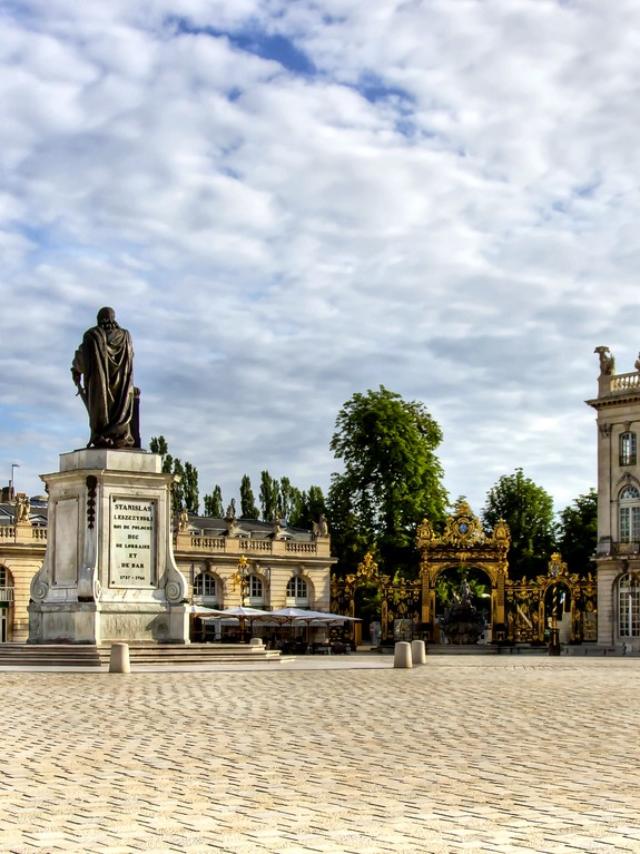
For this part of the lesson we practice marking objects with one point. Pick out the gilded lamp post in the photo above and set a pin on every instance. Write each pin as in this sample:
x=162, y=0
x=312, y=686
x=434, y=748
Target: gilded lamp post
x=240, y=578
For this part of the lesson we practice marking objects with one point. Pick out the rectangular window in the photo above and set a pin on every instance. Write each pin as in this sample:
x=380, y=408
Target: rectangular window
x=628, y=453
x=635, y=524
x=625, y=531
x=630, y=614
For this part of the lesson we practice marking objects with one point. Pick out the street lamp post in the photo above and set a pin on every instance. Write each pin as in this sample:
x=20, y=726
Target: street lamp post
x=241, y=578
x=14, y=466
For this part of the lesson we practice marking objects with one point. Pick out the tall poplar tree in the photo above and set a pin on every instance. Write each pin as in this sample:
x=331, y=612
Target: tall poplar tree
x=213, y=505
x=248, y=509
x=268, y=496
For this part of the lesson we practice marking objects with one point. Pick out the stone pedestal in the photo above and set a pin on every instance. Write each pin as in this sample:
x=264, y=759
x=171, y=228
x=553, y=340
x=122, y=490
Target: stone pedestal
x=109, y=573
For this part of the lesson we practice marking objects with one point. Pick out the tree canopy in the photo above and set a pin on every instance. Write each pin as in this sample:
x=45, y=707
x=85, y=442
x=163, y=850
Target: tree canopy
x=185, y=491
x=577, y=533
x=248, y=509
x=213, y=505
x=278, y=498
x=528, y=510
x=392, y=479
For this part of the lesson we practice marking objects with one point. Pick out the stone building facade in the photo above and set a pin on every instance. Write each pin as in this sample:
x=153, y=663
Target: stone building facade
x=226, y=562
x=618, y=550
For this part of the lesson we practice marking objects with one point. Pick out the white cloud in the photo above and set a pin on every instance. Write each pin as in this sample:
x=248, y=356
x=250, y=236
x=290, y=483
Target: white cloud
x=447, y=206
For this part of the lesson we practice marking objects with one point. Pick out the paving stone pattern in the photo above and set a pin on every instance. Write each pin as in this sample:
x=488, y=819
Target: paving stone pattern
x=461, y=755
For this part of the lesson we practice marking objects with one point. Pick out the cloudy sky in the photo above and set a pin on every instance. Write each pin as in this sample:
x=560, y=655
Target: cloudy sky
x=288, y=201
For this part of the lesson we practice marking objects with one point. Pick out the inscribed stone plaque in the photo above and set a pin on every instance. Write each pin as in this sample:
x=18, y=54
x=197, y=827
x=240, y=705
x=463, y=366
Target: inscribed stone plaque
x=132, y=543
x=65, y=554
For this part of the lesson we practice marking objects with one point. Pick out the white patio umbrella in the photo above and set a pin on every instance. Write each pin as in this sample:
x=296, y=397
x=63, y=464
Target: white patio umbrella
x=240, y=613
x=309, y=617
x=197, y=610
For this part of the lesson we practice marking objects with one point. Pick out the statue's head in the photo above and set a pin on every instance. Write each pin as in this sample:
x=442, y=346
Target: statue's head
x=107, y=318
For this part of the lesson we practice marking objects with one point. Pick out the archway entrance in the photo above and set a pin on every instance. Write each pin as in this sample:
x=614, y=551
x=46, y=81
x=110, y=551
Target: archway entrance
x=455, y=586
x=464, y=543
x=532, y=605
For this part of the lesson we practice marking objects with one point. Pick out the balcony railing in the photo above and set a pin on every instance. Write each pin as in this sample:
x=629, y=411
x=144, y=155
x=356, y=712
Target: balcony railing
x=6, y=594
x=210, y=544
x=247, y=545
x=305, y=548
x=22, y=534
x=625, y=382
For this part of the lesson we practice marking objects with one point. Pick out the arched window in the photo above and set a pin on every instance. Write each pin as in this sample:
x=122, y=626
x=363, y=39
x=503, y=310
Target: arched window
x=629, y=606
x=628, y=446
x=205, y=586
x=6, y=585
x=297, y=591
x=630, y=515
x=255, y=588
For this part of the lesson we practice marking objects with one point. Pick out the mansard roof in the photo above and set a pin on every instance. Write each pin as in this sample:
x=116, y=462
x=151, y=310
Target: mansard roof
x=254, y=528
x=38, y=513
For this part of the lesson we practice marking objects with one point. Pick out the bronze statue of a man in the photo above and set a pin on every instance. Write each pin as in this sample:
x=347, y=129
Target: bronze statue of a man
x=104, y=361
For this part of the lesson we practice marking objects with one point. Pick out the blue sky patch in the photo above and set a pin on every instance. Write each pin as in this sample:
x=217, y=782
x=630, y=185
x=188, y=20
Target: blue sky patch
x=253, y=40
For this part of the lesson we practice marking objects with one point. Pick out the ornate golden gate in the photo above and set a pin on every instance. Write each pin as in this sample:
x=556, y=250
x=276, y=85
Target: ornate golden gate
x=464, y=543
x=527, y=601
x=519, y=609
x=399, y=599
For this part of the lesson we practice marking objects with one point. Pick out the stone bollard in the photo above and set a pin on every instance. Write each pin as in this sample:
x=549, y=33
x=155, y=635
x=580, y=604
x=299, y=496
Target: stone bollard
x=402, y=654
x=256, y=642
x=418, y=652
x=119, y=660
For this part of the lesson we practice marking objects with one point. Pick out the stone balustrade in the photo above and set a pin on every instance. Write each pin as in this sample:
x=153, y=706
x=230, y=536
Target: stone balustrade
x=187, y=541
x=625, y=382
x=22, y=533
x=215, y=544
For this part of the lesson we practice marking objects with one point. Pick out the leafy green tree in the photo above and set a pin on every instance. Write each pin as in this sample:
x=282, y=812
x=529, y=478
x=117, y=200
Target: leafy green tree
x=213, y=506
x=158, y=445
x=269, y=490
x=190, y=490
x=178, y=494
x=528, y=510
x=392, y=479
x=185, y=493
x=248, y=509
x=285, y=498
x=577, y=533
x=317, y=506
x=307, y=507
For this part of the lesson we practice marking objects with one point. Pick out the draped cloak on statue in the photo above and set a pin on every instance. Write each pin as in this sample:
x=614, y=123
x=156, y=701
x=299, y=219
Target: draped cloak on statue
x=105, y=360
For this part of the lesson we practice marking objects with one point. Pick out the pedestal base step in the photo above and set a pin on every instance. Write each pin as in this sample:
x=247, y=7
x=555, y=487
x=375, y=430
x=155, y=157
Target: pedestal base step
x=87, y=655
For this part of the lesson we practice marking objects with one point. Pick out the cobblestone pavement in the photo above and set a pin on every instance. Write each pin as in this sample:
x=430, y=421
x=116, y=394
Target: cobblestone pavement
x=461, y=755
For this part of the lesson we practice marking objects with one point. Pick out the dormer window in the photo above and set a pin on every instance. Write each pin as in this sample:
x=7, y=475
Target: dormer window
x=629, y=515
x=628, y=446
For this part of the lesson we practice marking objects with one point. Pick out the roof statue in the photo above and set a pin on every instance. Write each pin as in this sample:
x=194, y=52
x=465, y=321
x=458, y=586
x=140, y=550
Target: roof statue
x=102, y=370
x=607, y=361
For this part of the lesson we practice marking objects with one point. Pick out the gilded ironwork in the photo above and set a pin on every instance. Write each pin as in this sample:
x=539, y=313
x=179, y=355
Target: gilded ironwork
x=399, y=597
x=530, y=612
x=521, y=610
x=240, y=577
x=464, y=543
